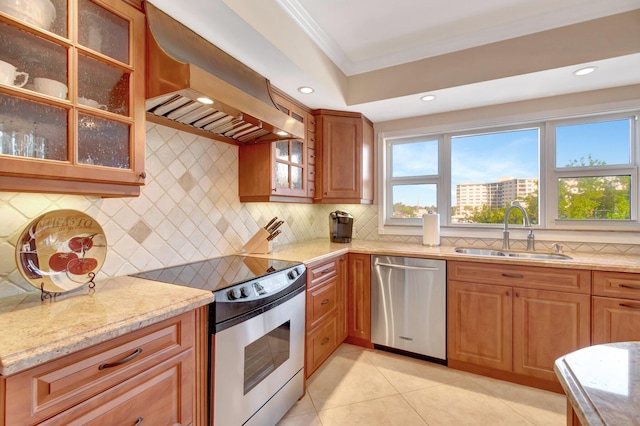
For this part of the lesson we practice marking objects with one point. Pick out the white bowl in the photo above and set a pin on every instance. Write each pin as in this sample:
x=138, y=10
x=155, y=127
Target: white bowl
x=40, y=13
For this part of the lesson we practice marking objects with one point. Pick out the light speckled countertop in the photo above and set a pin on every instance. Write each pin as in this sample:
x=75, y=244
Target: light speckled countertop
x=317, y=250
x=602, y=383
x=36, y=331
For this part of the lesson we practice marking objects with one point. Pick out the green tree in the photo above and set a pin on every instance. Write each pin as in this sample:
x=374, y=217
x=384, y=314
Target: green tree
x=593, y=197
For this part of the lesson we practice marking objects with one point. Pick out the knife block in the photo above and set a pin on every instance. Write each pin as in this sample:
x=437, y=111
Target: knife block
x=258, y=243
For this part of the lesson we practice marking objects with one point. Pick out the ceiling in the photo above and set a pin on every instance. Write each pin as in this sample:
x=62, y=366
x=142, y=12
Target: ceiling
x=379, y=57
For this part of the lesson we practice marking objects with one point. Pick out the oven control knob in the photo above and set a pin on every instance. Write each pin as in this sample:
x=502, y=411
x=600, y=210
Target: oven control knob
x=294, y=273
x=259, y=289
x=233, y=294
x=244, y=292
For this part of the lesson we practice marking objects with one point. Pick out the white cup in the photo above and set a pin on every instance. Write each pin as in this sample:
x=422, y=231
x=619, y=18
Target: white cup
x=9, y=75
x=50, y=87
x=92, y=103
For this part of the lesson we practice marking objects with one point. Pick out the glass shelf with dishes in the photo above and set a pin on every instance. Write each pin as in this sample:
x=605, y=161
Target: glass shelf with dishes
x=72, y=93
x=47, y=15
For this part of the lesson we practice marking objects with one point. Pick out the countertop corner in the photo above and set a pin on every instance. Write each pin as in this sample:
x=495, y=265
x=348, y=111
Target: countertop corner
x=38, y=331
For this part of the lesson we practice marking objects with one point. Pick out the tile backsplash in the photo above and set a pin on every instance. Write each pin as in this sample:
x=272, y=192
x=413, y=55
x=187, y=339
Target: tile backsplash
x=188, y=210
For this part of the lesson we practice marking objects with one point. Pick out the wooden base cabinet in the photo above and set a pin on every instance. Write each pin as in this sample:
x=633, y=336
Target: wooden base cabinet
x=480, y=328
x=359, y=300
x=514, y=332
x=146, y=376
x=326, y=317
x=616, y=307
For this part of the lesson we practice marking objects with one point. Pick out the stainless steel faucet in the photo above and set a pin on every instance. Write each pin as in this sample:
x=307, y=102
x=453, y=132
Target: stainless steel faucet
x=531, y=242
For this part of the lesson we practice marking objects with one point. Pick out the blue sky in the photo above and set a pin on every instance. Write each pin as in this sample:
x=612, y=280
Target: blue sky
x=487, y=157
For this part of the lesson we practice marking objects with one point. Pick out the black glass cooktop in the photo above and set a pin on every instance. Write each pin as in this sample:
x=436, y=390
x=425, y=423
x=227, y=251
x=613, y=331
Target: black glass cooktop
x=217, y=273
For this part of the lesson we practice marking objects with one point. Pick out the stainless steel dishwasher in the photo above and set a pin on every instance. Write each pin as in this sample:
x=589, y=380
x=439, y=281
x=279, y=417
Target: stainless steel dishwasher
x=409, y=306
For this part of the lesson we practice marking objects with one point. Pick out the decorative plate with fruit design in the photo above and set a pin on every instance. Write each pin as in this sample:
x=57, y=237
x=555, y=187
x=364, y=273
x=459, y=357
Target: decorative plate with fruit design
x=61, y=250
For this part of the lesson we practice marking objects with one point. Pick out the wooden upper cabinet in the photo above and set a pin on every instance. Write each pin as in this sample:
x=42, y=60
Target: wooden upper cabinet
x=277, y=171
x=344, y=168
x=72, y=116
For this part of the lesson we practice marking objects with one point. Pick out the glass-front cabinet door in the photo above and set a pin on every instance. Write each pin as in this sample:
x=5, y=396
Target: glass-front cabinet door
x=289, y=167
x=71, y=96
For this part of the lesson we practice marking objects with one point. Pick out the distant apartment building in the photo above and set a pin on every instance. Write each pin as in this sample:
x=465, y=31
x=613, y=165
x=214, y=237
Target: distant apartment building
x=496, y=195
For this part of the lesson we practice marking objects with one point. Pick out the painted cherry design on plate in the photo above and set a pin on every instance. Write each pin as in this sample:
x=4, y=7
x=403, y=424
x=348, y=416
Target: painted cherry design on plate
x=59, y=261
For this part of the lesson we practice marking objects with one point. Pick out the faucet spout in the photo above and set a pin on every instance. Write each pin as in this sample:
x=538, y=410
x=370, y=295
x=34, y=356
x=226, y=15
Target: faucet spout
x=527, y=223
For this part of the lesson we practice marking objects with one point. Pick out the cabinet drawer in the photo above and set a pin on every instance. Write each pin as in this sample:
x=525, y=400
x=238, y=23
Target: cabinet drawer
x=311, y=156
x=321, y=301
x=321, y=343
x=322, y=272
x=616, y=284
x=312, y=172
x=50, y=388
x=311, y=123
x=154, y=397
x=569, y=280
x=614, y=320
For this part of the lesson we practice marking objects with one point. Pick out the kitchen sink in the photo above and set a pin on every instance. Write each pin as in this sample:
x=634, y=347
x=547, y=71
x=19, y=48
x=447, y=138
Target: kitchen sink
x=511, y=254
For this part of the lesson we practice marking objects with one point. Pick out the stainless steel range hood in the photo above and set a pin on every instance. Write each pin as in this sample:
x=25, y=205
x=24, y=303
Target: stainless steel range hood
x=184, y=67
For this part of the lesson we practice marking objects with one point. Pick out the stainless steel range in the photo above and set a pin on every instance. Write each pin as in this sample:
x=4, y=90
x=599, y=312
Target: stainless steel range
x=257, y=322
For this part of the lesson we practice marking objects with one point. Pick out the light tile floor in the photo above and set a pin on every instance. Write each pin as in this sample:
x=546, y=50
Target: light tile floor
x=357, y=386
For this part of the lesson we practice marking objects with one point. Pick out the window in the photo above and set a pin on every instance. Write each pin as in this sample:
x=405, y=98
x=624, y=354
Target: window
x=565, y=173
x=489, y=171
x=594, y=170
x=414, y=178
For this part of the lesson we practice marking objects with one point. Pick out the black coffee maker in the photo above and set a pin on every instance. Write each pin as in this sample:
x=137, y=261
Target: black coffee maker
x=340, y=226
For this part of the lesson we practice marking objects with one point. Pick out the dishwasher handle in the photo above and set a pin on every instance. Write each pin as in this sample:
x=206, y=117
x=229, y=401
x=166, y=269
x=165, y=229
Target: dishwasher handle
x=419, y=268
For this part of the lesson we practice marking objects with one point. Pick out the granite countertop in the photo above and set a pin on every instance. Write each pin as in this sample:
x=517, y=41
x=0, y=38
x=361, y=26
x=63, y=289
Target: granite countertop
x=38, y=331
x=313, y=251
x=602, y=383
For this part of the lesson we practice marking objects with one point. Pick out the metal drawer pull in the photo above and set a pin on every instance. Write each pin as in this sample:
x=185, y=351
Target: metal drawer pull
x=633, y=287
x=325, y=341
x=513, y=275
x=421, y=268
x=325, y=271
x=624, y=305
x=122, y=361
x=139, y=421
x=325, y=301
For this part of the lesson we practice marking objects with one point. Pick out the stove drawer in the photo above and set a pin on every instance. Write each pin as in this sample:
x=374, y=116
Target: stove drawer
x=48, y=389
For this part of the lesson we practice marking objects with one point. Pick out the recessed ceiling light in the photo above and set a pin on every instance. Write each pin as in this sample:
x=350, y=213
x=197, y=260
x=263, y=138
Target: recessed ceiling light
x=306, y=90
x=584, y=71
x=204, y=100
x=427, y=98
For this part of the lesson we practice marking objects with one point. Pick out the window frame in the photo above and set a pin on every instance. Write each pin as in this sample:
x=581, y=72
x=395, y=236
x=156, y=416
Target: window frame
x=554, y=173
x=391, y=181
x=547, y=179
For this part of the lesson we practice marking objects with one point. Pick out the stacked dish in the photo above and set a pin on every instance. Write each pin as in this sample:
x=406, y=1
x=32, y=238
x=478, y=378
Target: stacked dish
x=40, y=13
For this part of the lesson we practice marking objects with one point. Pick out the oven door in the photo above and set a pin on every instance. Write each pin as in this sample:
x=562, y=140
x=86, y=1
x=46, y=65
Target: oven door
x=257, y=361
